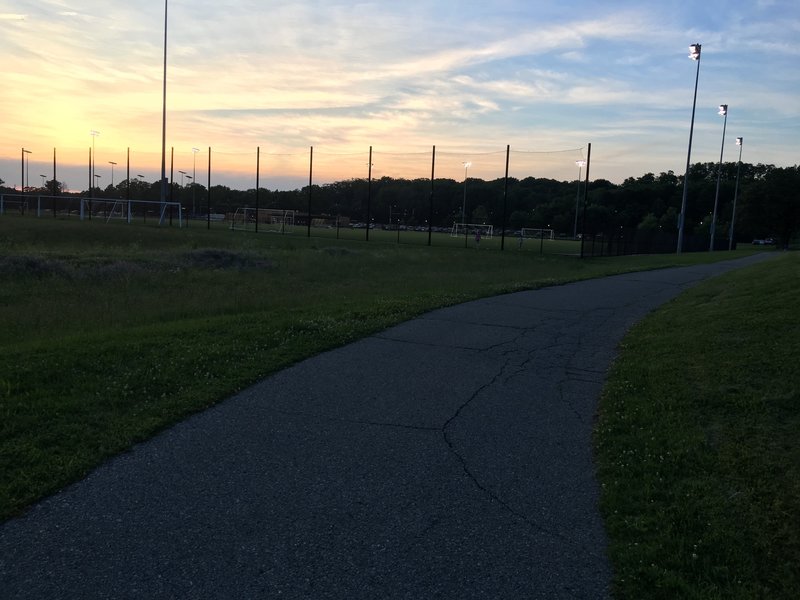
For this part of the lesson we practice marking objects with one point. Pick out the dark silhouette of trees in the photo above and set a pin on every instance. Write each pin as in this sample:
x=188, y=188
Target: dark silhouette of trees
x=647, y=206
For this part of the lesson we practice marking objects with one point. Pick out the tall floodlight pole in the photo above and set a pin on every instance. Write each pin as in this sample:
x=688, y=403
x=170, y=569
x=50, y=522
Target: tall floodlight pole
x=581, y=164
x=26, y=175
x=740, y=143
x=22, y=172
x=164, y=123
x=723, y=110
x=94, y=133
x=191, y=183
x=113, y=164
x=694, y=54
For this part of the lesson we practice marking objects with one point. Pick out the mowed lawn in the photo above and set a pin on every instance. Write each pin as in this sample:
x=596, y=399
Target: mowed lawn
x=111, y=332
x=698, y=442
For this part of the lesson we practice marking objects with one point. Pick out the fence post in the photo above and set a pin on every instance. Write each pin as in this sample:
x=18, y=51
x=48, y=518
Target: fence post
x=505, y=201
x=310, y=179
x=430, y=203
x=208, y=192
x=369, y=191
x=586, y=199
x=258, y=165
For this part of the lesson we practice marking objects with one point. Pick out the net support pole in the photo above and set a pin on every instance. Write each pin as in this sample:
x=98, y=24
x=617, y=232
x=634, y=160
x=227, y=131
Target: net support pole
x=208, y=192
x=505, y=200
x=310, y=181
x=128, y=186
x=369, y=191
x=430, y=200
x=171, y=182
x=55, y=183
x=258, y=161
x=586, y=197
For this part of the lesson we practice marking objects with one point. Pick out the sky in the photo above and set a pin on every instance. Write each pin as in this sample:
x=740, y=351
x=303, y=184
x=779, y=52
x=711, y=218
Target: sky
x=545, y=79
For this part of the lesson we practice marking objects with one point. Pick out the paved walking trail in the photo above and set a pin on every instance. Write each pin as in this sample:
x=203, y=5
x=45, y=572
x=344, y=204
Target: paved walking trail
x=447, y=457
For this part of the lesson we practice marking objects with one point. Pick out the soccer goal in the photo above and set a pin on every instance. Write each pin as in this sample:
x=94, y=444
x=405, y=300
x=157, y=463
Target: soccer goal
x=269, y=219
x=545, y=234
x=462, y=229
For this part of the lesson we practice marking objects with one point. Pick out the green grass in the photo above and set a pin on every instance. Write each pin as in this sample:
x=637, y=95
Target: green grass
x=109, y=333
x=697, y=443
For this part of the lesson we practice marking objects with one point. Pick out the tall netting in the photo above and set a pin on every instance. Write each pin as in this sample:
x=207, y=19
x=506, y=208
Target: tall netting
x=370, y=193
x=545, y=192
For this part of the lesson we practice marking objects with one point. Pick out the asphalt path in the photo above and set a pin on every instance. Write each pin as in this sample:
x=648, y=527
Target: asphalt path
x=447, y=457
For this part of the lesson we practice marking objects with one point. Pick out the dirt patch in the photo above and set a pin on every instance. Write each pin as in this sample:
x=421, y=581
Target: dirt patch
x=213, y=258
x=337, y=251
x=31, y=266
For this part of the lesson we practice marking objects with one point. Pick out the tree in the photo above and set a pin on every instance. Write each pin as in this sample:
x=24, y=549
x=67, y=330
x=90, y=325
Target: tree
x=773, y=204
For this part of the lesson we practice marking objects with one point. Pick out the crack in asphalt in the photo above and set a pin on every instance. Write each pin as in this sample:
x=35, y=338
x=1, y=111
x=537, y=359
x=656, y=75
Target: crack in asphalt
x=490, y=493
x=332, y=419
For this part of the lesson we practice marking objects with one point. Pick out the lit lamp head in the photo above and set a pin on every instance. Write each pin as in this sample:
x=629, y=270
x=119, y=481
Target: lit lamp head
x=723, y=110
x=580, y=163
x=739, y=141
x=694, y=51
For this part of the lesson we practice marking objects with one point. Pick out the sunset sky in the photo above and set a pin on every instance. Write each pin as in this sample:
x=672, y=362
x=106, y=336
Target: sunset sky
x=470, y=77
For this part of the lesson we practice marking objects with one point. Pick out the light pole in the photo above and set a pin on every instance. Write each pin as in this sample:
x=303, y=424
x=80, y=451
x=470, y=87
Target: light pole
x=694, y=54
x=94, y=133
x=44, y=177
x=164, y=124
x=26, y=172
x=723, y=110
x=581, y=164
x=182, y=174
x=112, y=163
x=740, y=143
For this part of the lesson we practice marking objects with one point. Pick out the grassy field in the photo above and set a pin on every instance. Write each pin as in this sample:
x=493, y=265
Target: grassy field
x=697, y=443
x=110, y=332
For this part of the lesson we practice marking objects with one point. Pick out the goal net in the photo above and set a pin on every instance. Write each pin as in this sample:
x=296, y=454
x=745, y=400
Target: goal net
x=269, y=219
x=461, y=229
x=530, y=232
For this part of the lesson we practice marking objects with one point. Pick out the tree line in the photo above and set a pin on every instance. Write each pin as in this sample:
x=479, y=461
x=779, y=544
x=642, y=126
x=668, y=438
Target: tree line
x=768, y=201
